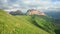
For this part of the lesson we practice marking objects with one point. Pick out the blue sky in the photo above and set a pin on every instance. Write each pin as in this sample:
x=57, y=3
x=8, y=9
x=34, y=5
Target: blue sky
x=28, y=4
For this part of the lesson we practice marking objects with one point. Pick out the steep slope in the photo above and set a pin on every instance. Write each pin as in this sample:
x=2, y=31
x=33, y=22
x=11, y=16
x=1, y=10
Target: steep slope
x=25, y=24
x=42, y=22
x=12, y=25
x=45, y=23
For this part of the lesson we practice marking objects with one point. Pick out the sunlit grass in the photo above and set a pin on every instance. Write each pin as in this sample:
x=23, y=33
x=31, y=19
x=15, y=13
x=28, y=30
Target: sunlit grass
x=20, y=24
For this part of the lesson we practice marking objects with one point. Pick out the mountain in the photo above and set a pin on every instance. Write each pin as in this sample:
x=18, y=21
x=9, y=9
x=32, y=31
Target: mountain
x=54, y=14
x=25, y=24
x=18, y=12
x=35, y=12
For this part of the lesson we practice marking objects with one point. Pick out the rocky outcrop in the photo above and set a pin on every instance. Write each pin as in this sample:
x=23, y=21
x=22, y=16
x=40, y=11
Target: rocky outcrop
x=34, y=12
x=18, y=12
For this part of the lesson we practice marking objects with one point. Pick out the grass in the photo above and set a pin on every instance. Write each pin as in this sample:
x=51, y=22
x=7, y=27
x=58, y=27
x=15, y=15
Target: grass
x=21, y=24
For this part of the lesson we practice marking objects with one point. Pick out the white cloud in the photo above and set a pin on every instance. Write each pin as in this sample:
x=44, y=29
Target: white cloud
x=5, y=1
x=15, y=5
x=39, y=4
x=10, y=7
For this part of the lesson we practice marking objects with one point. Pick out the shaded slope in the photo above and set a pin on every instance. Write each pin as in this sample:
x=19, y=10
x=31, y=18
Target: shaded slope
x=45, y=23
x=12, y=25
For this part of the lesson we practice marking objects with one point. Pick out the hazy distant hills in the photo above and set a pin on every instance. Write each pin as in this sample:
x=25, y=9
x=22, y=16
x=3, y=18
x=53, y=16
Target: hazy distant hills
x=54, y=14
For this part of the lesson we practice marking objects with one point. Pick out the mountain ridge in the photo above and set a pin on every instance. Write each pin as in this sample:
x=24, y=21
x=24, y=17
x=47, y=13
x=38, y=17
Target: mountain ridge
x=22, y=24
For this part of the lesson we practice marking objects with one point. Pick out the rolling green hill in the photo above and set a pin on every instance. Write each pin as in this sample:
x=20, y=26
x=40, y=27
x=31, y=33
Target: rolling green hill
x=25, y=24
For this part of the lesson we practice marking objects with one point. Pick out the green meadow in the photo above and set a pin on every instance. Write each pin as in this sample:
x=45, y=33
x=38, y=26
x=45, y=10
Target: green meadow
x=25, y=24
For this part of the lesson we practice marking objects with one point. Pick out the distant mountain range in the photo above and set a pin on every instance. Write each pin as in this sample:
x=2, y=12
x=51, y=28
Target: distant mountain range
x=54, y=14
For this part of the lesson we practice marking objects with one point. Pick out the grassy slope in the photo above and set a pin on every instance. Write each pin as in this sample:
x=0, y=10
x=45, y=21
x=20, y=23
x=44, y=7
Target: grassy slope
x=45, y=23
x=41, y=22
x=12, y=25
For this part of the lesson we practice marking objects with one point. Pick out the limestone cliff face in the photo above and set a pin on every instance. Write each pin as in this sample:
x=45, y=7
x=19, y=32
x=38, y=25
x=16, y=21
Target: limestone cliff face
x=33, y=11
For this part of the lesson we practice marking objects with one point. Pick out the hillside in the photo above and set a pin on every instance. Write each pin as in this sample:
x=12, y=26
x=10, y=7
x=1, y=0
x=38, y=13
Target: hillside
x=56, y=17
x=24, y=24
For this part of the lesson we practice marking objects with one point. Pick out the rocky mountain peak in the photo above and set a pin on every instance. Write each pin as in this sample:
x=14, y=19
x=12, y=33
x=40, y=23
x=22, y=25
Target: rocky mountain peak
x=34, y=11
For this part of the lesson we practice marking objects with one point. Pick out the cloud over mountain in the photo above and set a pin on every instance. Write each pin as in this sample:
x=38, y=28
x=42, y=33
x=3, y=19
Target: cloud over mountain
x=27, y=4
